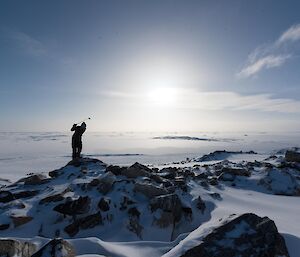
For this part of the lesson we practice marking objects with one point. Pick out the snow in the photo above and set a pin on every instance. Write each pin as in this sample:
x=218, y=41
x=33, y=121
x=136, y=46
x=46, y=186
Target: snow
x=42, y=152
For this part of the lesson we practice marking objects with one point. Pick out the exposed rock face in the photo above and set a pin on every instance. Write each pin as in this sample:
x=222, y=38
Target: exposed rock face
x=106, y=182
x=103, y=204
x=25, y=194
x=87, y=222
x=136, y=170
x=6, y=196
x=236, y=171
x=292, y=156
x=35, y=179
x=116, y=170
x=20, y=220
x=244, y=236
x=11, y=248
x=170, y=205
x=149, y=190
x=55, y=248
x=79, y=206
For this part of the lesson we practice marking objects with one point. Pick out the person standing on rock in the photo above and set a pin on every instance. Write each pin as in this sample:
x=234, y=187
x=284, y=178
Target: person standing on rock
x=76, y=139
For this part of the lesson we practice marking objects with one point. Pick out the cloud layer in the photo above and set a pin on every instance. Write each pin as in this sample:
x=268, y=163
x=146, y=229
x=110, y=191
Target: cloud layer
x=271, y=55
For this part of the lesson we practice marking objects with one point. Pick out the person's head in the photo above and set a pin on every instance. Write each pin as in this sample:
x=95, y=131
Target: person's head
x=83, y=124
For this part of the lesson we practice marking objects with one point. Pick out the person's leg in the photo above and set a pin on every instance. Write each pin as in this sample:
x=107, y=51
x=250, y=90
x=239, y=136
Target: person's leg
x=79, y=149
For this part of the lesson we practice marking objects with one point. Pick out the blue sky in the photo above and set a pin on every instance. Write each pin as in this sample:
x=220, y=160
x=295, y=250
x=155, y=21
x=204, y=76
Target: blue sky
x=150, y=65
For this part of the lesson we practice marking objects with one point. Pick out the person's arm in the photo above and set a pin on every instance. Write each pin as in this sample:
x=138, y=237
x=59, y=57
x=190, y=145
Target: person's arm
x=83, y=127
x=74, y=127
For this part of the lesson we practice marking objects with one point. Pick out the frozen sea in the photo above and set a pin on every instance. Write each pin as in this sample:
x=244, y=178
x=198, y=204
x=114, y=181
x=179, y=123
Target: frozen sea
x=22, y=153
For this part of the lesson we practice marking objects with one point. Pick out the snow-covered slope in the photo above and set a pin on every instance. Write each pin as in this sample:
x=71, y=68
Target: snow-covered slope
x=141, y=211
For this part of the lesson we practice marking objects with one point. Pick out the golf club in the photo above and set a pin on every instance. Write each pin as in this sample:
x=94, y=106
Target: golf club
x=83, y=120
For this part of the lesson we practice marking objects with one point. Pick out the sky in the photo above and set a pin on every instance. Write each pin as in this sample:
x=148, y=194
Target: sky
x=150, y=65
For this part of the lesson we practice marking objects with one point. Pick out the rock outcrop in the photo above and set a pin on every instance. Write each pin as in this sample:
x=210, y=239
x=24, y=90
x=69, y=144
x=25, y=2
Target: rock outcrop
x=12, y=248
x=244, y=236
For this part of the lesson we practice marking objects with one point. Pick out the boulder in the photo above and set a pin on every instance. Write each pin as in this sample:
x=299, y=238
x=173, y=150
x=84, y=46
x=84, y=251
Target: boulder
x=149, y=190
x=26, y=194
x=56, y=247
x=236, y=171
x=12, y=248
x=86, y=222
x=292, y=156
x=106, y=182
x=116, y=170
x=137, y=170
x=52, y=198
x=20, y=220
x=4, y=227
x=104, y=204
x=201, y=204
x=244, y=236
x=73, y=207
x=6, y=196
x=35, y=179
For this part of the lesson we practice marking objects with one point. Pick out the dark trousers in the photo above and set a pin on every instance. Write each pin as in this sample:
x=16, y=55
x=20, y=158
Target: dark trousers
x=76, y=147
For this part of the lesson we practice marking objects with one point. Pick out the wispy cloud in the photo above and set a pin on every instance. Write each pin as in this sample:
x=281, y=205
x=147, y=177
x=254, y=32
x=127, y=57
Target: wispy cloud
x=26, y=43
x=271, y=55
x=227, y=100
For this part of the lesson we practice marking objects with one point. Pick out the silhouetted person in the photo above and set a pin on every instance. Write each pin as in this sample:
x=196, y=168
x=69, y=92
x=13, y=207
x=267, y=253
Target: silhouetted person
x=76, y=139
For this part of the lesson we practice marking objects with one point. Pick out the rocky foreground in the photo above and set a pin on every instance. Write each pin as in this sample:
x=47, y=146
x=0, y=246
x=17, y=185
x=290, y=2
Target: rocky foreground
x=88, y=198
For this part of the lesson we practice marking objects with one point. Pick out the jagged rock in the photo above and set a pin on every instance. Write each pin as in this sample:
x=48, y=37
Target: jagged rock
x=236, y=171
x=4, y=227
x=35, y=179
x=86, y=222
x=55, y=248
x=216, y=196
x=292, y=156
x=104, y=204
x=226, y=177
x=170, y=205
x=20, y=220
x=168, y=173
x=106, y=182
x=84, y=161
x=6, y=196
x=213, y=181
x=125, y=202
x=244, y=236
x=134, y=225
x=52, y=198
x=201, y=204
x=12, y=248
x=149, y=190
x=136, y=170
x=25, y=194
x=73, y=207
x=116, y=170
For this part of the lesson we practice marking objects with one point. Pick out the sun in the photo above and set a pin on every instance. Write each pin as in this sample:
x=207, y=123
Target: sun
x=163, y=96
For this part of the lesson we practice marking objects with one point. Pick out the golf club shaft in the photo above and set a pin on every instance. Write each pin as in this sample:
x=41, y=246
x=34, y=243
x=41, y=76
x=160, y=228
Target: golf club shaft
x=83, y=120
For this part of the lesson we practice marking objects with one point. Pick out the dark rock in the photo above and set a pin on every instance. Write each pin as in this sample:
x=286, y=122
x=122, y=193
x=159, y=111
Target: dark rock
x=292, y=156
x=236, y=171
x=106, y=182
x=104, y=204
x=136, y=170
x=216, y=196
x=86, y=222
x=201, y=204
x=168, y=203
x=84, y=161
x=213, y=181
x=168, y=173
x=245, y=236
x=55, y=248
x=6, y=196
x=36, y=179
x=134, y=212
x=149, y=190
x=12, y=248
x=26, y=194
x=52, y=198
x=125, y=202
x=116, y=170
x=20, y=220
x=4, y=227
x=73, y=207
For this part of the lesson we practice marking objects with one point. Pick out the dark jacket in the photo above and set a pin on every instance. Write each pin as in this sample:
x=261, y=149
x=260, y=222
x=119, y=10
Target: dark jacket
x=79, y=130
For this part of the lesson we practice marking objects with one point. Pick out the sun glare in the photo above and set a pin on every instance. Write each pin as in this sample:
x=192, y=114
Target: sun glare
x=163, y=96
